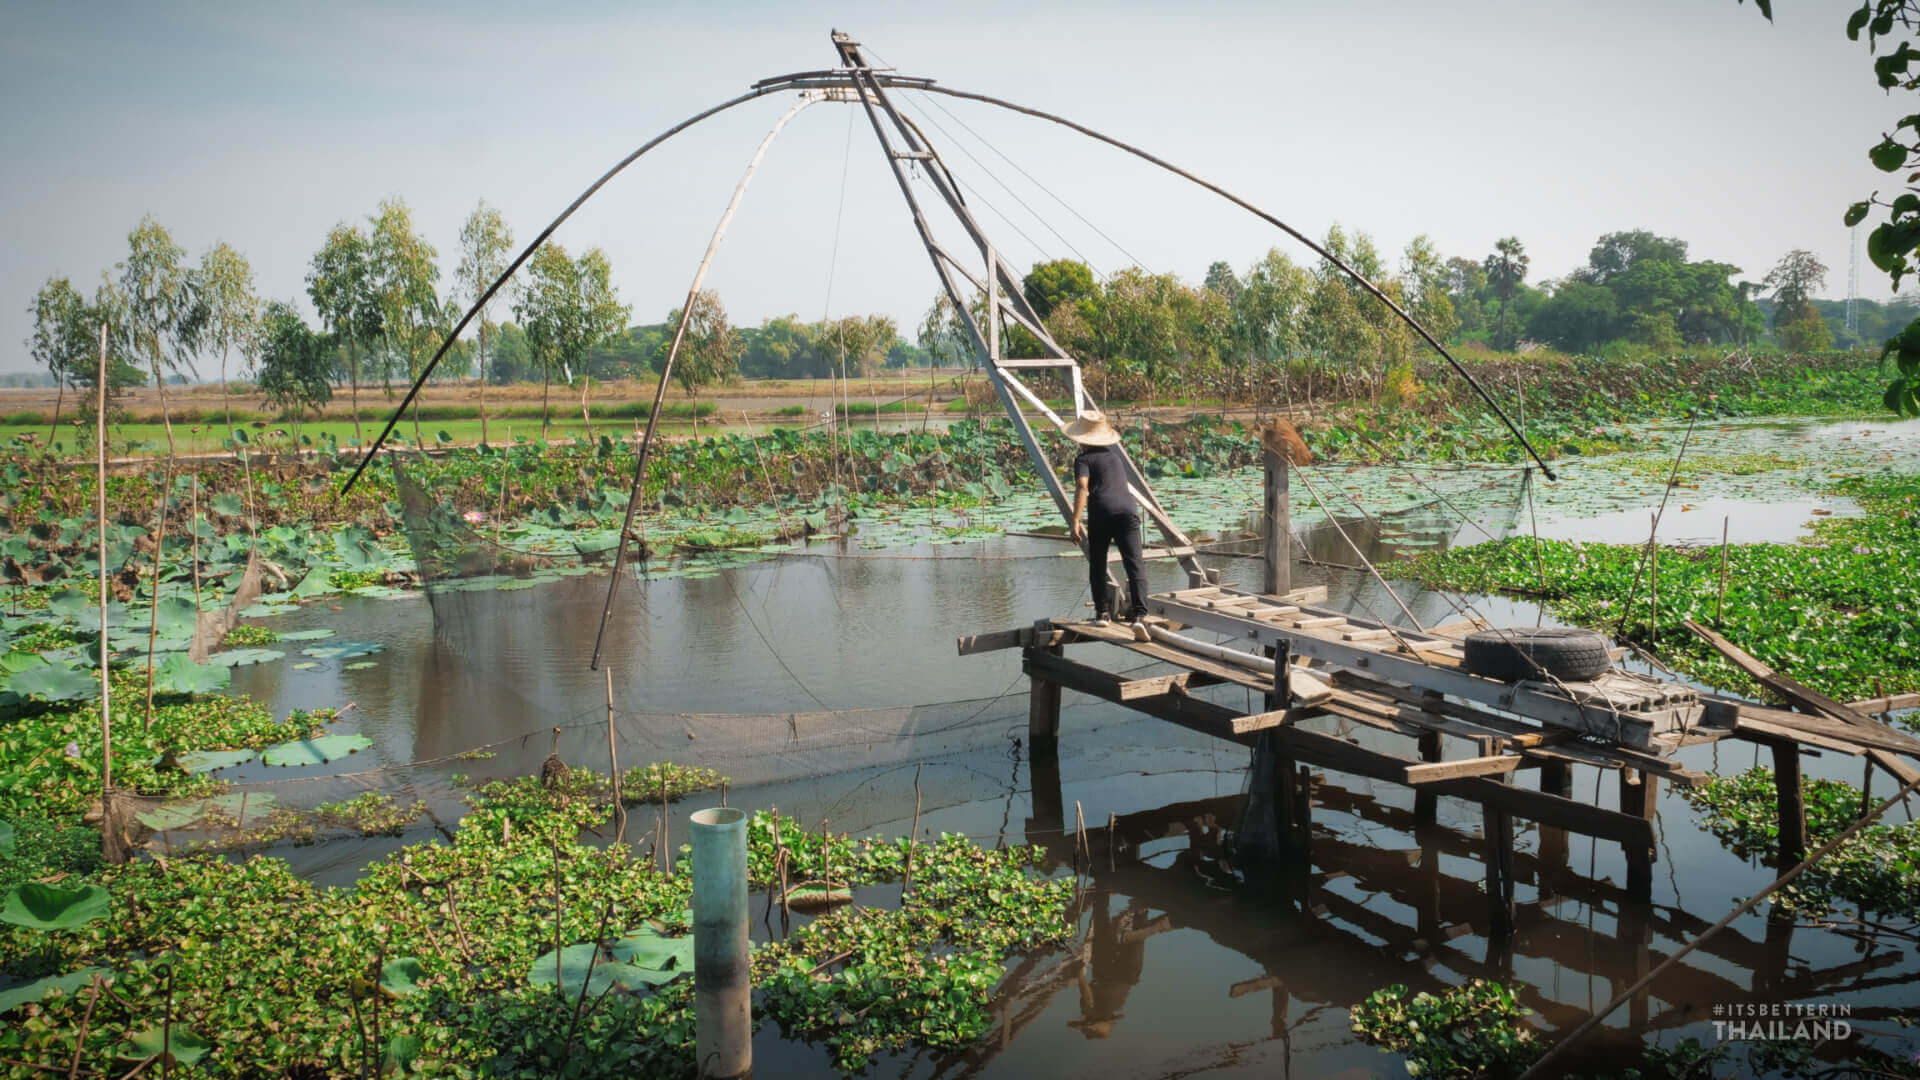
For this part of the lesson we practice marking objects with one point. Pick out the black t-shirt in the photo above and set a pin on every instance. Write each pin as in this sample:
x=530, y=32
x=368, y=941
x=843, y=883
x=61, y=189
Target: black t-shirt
x=1106, y=475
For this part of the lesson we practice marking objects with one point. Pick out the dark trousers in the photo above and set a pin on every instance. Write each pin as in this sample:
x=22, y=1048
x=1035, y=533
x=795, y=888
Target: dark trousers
x=1124, y=530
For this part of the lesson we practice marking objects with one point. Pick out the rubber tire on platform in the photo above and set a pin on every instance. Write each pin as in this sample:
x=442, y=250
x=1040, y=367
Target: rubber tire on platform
x=1566, y=653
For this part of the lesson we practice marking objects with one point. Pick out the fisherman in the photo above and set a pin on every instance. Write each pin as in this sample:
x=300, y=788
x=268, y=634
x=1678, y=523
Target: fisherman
x=1105, y=514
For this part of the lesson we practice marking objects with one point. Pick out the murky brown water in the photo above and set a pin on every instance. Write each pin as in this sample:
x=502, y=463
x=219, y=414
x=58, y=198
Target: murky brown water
x=1179, y=971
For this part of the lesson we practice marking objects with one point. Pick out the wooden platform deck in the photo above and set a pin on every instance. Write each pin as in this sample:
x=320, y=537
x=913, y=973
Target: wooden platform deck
x=1414, y=683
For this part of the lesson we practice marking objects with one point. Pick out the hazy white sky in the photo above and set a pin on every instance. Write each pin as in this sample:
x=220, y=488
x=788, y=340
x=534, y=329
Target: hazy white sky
x=263, y=124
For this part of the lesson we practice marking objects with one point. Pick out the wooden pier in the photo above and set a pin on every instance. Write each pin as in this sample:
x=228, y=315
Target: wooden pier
x=1469, y=736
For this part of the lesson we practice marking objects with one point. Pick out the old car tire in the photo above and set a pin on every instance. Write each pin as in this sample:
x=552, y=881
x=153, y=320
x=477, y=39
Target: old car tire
x=1510, y=655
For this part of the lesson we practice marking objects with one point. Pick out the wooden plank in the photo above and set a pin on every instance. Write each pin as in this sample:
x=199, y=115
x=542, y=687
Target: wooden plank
x=1475, y=766
x=1458, y=631
x=993, y=642
x=1152, y=685
x=1364, y=635
x=1871, y=736
x=1211, y=670
x=1313, y=594
x=1747, y=725
x=1315, y=622
x=1806, y=697
x=1247, y=725
x=1891, y=703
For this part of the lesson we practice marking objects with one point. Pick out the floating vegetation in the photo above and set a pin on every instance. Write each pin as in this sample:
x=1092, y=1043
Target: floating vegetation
x=1877, y=870
x=1466, y=1031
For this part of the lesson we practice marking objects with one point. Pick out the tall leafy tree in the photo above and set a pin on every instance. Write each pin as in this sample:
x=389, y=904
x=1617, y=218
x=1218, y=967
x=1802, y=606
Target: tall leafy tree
x=1466, y=284
x=62, y=338
x=1427, y=283
x=340, y=282
x=163, y=310
x=233, y=312
x=1506, y=268
x=709, y=353
x=404, y=273
x=1051, y=284
x=484, y=244
x=1792, y=282
x=567, y=309
x=944, y=335
x=294, y=362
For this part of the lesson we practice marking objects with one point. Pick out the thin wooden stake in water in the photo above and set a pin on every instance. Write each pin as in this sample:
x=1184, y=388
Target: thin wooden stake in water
x=913, y=837
x=613, y=763
x=100, y=493
x=1720, y=605
x=1653, y=578
x=193, y=528
x=153, y=610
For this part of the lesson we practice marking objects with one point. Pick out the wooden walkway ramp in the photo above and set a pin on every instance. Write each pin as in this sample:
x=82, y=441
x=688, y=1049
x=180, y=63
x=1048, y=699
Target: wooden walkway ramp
x=1414, y=684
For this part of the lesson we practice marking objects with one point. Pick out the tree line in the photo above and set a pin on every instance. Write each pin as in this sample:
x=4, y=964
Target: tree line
x=383, y=312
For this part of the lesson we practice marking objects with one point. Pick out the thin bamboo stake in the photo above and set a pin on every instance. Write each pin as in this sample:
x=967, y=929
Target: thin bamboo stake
x=913, y=836
x=193, y=528
x=100, y=497
x=1653, y=578
x=666, y=853
x=1720, y=605
x=153, y=609
x=613, y=763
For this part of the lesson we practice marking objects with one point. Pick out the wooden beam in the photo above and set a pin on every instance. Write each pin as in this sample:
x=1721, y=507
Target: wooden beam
x=1474, y=766
x=1891, y=703
x=993, y=642
x=1152, y=685
x=1805, y=696
x=1333, y=752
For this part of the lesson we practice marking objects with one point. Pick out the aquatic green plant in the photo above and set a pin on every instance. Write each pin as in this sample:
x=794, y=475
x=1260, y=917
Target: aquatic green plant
x=1465, y=1031
x=1877, y=870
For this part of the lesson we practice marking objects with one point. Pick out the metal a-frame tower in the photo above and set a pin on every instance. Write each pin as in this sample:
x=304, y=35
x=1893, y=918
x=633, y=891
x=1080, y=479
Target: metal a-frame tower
x=905, y=147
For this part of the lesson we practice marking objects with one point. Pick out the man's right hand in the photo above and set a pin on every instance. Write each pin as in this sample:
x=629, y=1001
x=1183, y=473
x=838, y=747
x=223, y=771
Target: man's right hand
x=1078, y=530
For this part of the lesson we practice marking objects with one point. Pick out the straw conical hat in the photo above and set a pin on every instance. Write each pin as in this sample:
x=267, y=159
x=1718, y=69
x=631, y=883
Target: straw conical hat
x=1092, y=429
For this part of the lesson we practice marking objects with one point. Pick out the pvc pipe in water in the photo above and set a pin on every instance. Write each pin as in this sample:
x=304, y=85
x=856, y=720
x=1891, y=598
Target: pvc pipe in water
x=723, y=1022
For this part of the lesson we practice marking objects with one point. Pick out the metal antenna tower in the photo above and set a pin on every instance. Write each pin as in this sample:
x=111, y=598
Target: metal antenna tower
x=1853, y=279
x=1004, y=301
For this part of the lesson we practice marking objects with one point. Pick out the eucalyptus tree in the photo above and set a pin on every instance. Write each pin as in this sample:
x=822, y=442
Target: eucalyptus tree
x=294, y=362
x=403, y=275
x=710, y=351
x=567, y=308
x=164, y=313
x=340, y=282
x=1427, y=283
x=1268, y=315
x=484, y=244
x=233, y=312
x=60, y=338
x=1506, y=268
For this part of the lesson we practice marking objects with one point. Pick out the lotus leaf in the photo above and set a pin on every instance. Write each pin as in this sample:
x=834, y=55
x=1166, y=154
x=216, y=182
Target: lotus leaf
x=40, y=906
x=401, y=1051
x=344, y=650
x=28, y=993
x=262, y=611
x=317, y=751
x=648, y=948
x=233, y=658
x=314, y=584
x=175, y=614
x=314, y=634
x=306, y=665
x=401, y=976
x=71, y=604
x=6, y=839
x=227, y=504
x=574, y=963
x=176, y=1042
x=180, y=675
x=204, y=761
x=55, y=682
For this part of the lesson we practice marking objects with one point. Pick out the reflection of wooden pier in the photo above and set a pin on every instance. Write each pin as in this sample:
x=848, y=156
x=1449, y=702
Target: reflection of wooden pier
x=1326, y=948
x=1414, y=684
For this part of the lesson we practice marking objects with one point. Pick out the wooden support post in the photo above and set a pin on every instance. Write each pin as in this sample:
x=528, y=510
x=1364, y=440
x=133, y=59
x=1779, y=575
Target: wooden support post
x=1303, y=809
x=1043, y=704
x=1277, y=579
x=1556, y=778
x=1638, y=792
x=1286, y=802
x=1049, y=808
x=1792, y=808
x=1635, y=931
x=1425, y=802
x=1496, y=826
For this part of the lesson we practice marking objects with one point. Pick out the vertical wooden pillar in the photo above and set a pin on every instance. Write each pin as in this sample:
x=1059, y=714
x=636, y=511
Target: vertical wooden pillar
x=1793, y=808
x=1043, y=705
x=1277, y=580
x=1556, y=778
x=1638, y=794
x=1048, y=824
x=1496, y=827
x=1635, y=933
x=1425, y=803
x=1303, y=809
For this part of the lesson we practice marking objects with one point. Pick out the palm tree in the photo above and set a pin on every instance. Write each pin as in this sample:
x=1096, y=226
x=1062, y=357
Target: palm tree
x=1506, y=269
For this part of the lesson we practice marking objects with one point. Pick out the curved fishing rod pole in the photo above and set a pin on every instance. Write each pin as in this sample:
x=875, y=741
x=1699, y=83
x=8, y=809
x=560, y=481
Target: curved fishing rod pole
x=843, y=78
x=666, y=369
